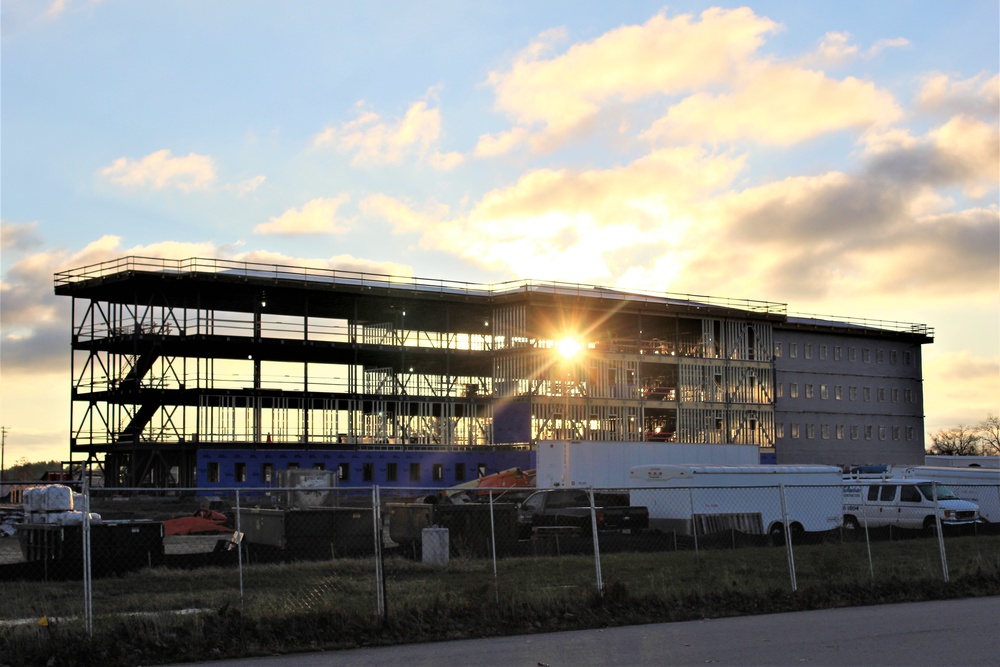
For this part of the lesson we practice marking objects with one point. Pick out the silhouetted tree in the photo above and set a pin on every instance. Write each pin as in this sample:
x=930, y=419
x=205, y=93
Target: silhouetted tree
x=989, y=435
x=959, y=441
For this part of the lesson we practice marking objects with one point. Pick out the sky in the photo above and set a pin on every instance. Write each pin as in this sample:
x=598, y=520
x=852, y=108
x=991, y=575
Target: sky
x=840, y=157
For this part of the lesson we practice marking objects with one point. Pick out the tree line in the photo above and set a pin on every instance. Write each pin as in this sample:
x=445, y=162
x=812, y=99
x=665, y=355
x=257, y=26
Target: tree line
x=982, y=439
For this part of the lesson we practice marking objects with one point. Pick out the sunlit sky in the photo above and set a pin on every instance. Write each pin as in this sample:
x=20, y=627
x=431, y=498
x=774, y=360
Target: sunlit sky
x=840, y=157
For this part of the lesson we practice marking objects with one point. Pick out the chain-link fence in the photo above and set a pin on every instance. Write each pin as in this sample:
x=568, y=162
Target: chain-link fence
x=361, y=557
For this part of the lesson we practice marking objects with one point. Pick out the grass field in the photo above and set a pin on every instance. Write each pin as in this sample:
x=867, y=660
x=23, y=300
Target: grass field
x=163, y=615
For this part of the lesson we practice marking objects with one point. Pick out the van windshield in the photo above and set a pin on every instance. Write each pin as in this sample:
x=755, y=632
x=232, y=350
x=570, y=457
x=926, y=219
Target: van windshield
x=943, y=492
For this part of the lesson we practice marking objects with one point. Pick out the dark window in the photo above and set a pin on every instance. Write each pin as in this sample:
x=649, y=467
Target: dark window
x=344, y=471
x=241, y=472
x=368, y=472
x=888, y=493
x=213, y=472
x=459, y=472
x=872, y=493
x=319, y=466
x=535, y=502
x=909, y=494
x=414, y=472
x=390, y=472
x=438, y=472
x=267, y=473
x=481, y=469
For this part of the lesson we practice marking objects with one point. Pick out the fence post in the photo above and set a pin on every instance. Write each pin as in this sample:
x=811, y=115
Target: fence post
x=597, y=549
x=788, y=538
x=239, y=546
x=868, y=542
x=380, y=602
x=940, y=532
x=88, y=589
x=694, y=522
x=493, y=543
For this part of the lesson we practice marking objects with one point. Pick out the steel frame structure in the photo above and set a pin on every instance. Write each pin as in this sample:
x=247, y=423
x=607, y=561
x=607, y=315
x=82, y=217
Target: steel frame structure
x=172, y=355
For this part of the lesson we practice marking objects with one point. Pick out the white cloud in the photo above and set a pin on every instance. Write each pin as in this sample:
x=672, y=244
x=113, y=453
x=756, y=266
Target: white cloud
x=976, y=96
x=889, y=43
x=836, y=49
x=374, y=141
x=833, y=49
x=160, y=170
x=318, y=216
x=247, y=186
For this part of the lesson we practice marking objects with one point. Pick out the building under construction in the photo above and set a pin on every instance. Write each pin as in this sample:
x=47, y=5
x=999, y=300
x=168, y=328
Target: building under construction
x=176, y=359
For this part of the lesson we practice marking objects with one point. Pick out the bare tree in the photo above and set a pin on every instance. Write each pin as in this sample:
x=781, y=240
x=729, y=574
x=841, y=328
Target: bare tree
x=989, y=435
x=959, y=441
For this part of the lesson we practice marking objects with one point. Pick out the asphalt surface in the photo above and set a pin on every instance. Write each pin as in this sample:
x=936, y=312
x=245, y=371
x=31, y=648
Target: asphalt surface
x=952, y=633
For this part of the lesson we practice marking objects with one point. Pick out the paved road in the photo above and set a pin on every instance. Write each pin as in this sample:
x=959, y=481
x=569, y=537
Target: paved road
x=956, y=633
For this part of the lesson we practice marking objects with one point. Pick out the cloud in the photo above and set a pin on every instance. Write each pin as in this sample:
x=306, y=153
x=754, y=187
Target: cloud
x=374, y=141
x=708, y=69
x=160, y=170
x=675, y=219
x=835, y=49
x=962, y=152
x=976, y=96
x=890, y=43
x=247, y=186
x=20, y=237
x=960, y=387
x=318, y=216
x=402, y=216
x=491, y=145
x=777, y=104
x=572, y=225
x=662, y=57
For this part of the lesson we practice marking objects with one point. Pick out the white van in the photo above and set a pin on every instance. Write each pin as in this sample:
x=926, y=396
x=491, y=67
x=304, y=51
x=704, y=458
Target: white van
x=977, y=485
x=903, y=503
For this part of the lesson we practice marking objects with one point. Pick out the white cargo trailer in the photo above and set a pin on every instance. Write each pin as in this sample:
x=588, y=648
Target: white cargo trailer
x=978, y=485
x=605, y=465
x=754, y=499
x=959, y=461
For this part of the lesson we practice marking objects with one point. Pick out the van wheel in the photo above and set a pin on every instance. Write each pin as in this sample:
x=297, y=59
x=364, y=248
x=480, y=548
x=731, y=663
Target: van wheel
x=851, y=523
x=930, y=526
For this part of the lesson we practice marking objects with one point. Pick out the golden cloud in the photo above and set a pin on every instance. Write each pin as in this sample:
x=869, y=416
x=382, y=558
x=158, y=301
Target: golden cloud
x=318, y=216
x=777, y=104
x=663, y=56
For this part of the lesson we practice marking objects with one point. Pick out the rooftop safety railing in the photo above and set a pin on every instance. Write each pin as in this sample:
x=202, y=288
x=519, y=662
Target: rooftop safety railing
x=861, y=323
x=308, y=274
x=314, y=274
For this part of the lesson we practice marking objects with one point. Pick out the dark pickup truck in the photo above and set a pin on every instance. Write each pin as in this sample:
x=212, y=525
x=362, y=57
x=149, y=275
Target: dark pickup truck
x=570, y=508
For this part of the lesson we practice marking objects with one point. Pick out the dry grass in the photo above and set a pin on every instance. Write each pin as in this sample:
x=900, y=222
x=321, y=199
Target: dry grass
x=168, y=615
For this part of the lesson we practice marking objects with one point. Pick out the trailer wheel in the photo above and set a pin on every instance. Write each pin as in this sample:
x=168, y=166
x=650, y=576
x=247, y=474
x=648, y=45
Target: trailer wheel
x=777, y=535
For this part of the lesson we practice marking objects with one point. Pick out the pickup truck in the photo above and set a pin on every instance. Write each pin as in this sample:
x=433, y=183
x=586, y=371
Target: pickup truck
x=570, y=508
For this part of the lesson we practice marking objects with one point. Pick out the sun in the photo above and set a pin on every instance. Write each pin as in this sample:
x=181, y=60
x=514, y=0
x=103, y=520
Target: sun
x=568, y=347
